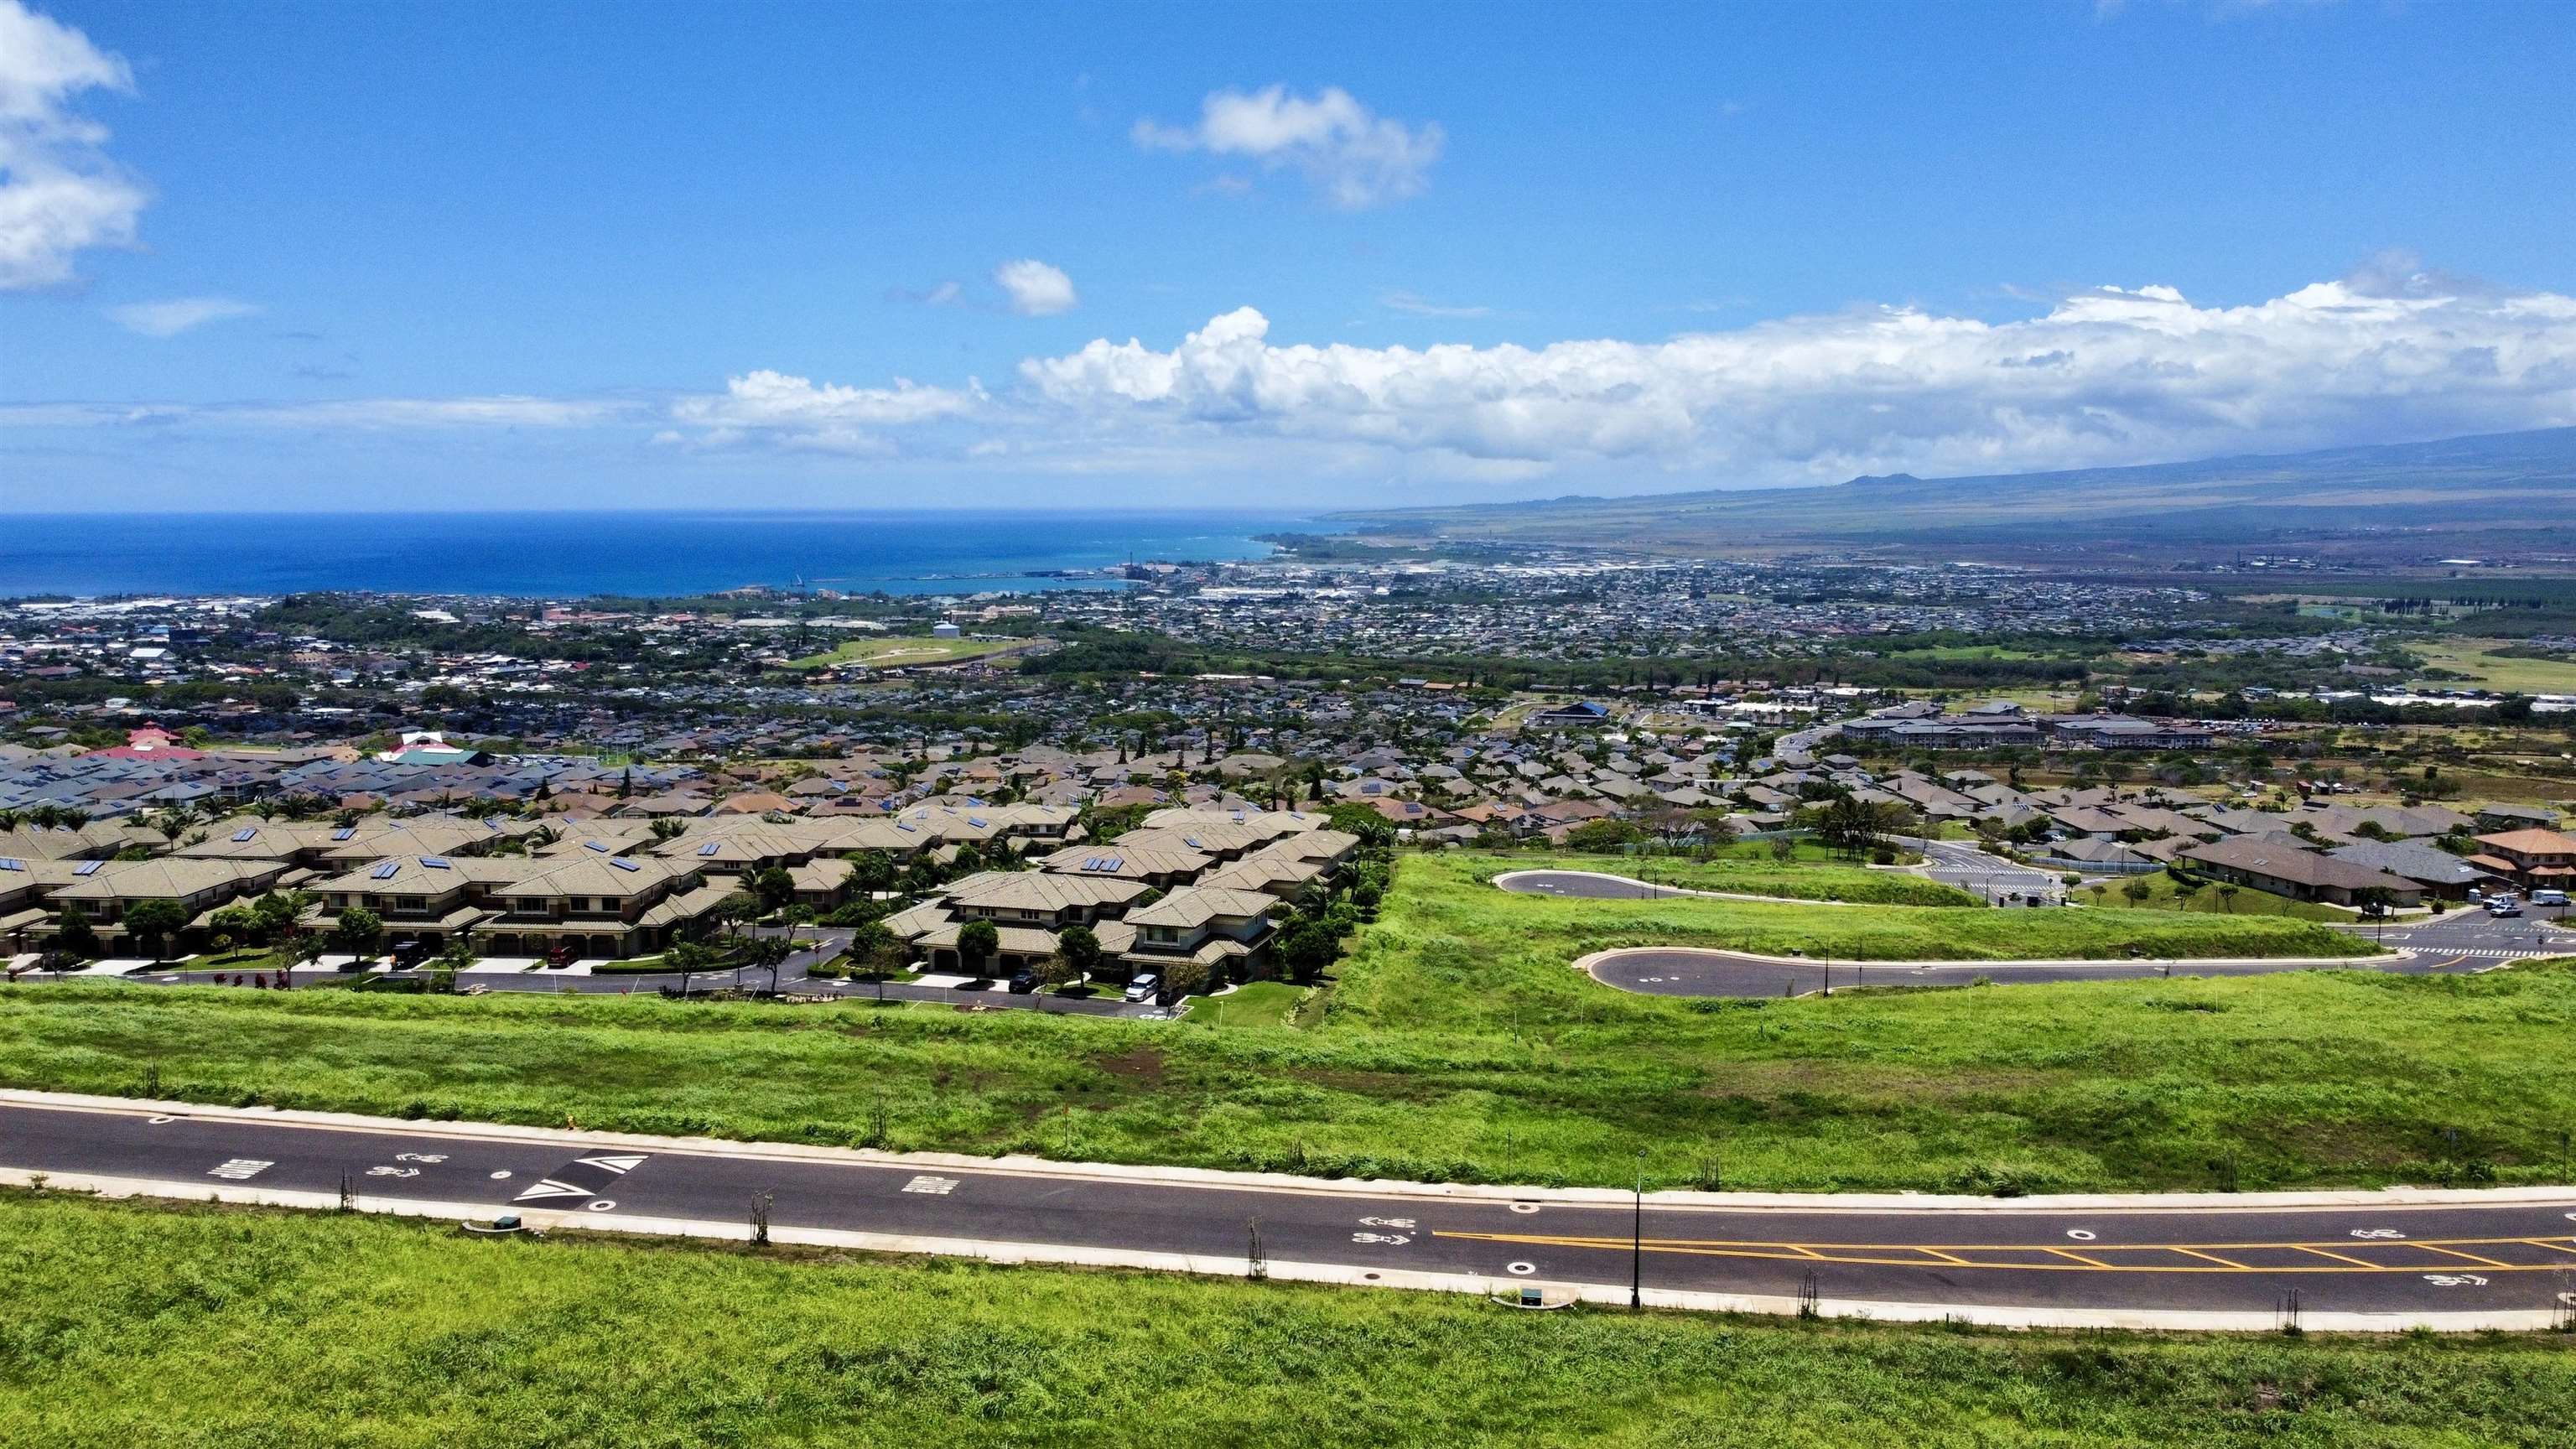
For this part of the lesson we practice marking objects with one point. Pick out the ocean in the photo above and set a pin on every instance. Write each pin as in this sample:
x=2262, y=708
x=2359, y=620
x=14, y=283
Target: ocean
x=571, y=555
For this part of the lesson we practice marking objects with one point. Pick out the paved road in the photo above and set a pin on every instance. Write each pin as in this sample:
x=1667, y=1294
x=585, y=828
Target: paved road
x=2381, y=1257
x=2462, y=943
x=1972, y=870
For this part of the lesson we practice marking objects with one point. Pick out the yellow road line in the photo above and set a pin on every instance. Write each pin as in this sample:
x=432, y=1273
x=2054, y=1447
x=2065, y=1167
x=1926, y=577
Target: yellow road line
x=2338, y=1257
x=2472, y=1257
x=1957, y=1255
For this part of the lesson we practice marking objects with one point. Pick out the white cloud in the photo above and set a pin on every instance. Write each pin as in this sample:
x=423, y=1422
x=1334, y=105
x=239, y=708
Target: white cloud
x=59, y=194
x=1414, y=305
x=2109, y=376
x=1353, y=156
x=170, y=318
x=1036, y=289
x=354, y=413
x=794, y=412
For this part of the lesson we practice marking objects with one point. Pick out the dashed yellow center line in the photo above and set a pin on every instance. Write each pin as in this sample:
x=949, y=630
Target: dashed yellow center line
x=2046, y=1258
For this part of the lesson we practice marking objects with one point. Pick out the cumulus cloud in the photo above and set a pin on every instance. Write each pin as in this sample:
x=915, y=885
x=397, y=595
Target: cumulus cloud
x=59, y=194
x=795, y=412
x=1354, y=157
x=1034, y=288
x=170, y=318
x=2109, y=376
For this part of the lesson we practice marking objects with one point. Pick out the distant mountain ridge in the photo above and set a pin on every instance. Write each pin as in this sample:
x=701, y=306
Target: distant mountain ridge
x=2516, y=490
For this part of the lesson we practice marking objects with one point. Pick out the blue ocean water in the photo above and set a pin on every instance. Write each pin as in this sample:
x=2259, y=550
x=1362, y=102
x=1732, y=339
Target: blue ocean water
x=567, y=555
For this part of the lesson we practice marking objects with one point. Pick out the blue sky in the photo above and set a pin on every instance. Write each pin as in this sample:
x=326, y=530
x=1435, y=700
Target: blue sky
x=571, y=256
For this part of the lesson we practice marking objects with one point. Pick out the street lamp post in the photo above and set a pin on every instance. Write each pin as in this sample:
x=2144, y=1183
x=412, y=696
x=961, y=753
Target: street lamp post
x=1637, y=1240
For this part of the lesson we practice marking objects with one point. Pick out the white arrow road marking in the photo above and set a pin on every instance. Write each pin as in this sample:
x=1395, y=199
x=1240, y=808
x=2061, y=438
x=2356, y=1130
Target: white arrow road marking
x=551, y=1188
x=393, y=1172
x=619, y=1165
x=937, y=1186
x=1397, y=1240
x=240, y=1169
x=420, y=1157
x=2455, y=1280
x=1386, y=1222
x=2377, y=1233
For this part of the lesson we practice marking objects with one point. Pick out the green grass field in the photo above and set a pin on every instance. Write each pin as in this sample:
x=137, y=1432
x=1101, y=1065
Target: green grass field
x=2475, y=660
x=2208, y=902
x=192, y=1327
x=186, y=1326
x=1458, y=1045
x=895, y=651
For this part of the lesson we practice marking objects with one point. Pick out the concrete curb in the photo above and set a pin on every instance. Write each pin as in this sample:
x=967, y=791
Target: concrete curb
x=1670, y=891
x=1216, y=1179
x=1335, y=1275
x=1585, y=964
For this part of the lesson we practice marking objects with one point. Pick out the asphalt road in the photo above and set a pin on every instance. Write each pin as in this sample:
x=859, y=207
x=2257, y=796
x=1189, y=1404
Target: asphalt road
x=2379, y=1258
x=2461, y=943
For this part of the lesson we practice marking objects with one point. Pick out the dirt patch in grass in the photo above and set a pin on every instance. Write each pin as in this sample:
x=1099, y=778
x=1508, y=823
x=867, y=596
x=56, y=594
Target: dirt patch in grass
x=1141, y=1065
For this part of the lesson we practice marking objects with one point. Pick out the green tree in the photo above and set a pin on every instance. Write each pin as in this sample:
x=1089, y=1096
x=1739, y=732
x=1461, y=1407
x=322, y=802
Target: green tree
x=1079, y=947
x=358, y=932
x=774, y=887
x=2227, y=898
x=688, y=958
x=1307, y=949
x=978, y=942
x=2137, y=891
x=872, y=871
x=74, y=933
x=154, y=923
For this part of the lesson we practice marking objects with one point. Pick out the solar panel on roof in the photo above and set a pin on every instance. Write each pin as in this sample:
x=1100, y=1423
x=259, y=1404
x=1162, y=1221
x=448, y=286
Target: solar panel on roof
x=1114, y=862
x=625, y=865
x=246, y=834
x=11, y=863
x=594, y=845
x=711, y=847
x=971, y=820
x=89, y=867
x=434, y=862
x=1192, y=842
x=345, y=832
x=386, y=871
x=899, y=825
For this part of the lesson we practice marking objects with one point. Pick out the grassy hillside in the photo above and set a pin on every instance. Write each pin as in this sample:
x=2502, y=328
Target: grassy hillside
x=178, y=1327
x=1458, y=1045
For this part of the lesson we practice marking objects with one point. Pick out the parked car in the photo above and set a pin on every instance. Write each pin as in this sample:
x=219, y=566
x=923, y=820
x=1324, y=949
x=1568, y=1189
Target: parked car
x=1144, y=987
x=562, y=956
x=1022, y=983
x=407, y=954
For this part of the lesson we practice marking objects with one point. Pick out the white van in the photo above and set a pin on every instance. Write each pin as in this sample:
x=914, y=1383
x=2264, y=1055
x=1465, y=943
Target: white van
x=2549, y=898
